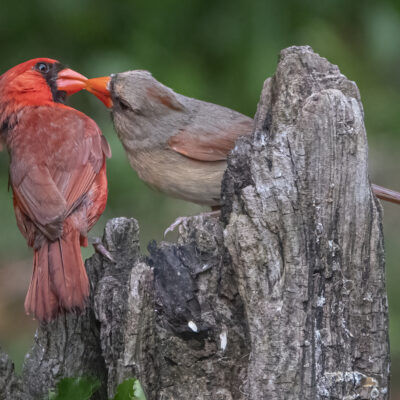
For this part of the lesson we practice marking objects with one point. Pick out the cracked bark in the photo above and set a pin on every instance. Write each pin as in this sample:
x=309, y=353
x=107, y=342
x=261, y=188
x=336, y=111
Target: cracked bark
x=283, y=299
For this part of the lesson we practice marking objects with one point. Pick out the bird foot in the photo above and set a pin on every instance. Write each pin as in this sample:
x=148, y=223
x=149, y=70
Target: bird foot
x=175, y=224
x=181, y=220
x=100, y=249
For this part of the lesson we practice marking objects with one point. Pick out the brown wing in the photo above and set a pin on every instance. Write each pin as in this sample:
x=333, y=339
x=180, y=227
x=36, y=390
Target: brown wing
x=211, y=140
x=56, y=154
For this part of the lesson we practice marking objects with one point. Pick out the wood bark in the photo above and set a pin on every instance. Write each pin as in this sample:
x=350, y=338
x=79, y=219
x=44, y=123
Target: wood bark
x=284, y=298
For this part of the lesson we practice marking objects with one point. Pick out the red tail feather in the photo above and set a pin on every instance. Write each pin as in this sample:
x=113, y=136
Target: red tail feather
x=59, y=281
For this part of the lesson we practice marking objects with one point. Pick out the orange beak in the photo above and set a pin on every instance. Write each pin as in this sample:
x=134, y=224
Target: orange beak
x=70, y=81
x=100, y=88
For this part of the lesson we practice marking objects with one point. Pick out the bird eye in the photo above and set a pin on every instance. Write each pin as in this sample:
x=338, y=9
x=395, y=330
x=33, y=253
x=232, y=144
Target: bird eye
x=124, y=105
x=42, y=67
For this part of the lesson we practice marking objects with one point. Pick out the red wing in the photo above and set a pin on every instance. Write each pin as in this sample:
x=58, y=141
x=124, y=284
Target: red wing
x=39, y=198
x=51, y=181
x=213, y=143
x=75, y=173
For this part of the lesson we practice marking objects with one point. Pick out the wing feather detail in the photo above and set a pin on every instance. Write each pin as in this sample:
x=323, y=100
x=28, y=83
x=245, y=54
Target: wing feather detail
x=212, y=143
x=54, y=165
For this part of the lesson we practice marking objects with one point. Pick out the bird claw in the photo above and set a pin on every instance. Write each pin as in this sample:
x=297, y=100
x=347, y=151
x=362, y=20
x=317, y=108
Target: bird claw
x=100, y=249
x=175, y=224
x=181, y=220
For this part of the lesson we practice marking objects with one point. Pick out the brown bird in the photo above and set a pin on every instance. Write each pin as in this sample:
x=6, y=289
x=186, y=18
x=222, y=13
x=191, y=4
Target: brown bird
x=177, y=144
x=58, y=179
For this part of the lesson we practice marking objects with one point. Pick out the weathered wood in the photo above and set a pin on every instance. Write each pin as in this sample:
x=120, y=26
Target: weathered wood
x=304, y=232
x=283, y=299
x=10, y=385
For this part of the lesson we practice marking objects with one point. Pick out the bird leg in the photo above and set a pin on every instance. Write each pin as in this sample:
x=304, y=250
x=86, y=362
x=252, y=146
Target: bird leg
x=100, y=249
x=180, y=220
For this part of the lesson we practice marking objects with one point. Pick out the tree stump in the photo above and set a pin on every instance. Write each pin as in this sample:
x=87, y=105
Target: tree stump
x=284, y=298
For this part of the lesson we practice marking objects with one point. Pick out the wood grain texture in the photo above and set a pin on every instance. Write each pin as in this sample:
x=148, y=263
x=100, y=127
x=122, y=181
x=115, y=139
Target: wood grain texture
x=305, y=235
x=10, y=384
x=283, y=299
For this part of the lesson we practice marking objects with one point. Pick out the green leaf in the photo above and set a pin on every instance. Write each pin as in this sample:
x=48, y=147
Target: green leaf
x=75, y=389
x=130, y=389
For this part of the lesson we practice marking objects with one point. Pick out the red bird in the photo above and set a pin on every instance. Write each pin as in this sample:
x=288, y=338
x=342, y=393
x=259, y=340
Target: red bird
x=58, y=179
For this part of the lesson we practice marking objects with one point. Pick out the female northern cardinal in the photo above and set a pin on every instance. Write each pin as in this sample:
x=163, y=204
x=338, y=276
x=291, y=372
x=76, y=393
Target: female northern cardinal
x=58, y=179
x=177, y=144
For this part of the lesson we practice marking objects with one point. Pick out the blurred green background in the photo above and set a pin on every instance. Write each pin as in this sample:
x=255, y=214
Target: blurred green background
x=219, y=51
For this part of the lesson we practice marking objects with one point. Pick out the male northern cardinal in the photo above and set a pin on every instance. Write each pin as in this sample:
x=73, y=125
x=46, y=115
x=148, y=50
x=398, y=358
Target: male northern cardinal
x=177, y=144
x=58, y=179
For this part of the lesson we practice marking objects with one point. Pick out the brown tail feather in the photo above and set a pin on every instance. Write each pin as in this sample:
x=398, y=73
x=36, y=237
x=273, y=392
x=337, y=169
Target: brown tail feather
x=386, y=194
x=59, y=281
